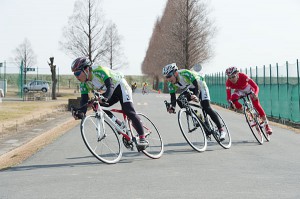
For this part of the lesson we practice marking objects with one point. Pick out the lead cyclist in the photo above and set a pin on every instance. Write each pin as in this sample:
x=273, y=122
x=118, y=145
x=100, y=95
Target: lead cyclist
x=117, y=89
x=181, y=79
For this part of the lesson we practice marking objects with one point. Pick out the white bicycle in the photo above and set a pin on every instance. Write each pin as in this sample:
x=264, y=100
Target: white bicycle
x=101, y=132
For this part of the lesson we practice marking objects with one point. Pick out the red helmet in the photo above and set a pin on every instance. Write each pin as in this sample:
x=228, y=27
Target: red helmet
x=80, y=64
x=231, y=70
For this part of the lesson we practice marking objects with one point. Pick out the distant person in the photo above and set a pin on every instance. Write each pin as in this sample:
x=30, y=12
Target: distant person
x=134, y=86
x=117, y=89
x=144, y=89
x=1, y=94
x=242, y=84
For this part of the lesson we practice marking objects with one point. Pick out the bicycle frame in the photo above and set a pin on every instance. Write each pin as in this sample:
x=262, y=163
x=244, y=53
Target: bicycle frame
x=100, y=112
x=104, y=143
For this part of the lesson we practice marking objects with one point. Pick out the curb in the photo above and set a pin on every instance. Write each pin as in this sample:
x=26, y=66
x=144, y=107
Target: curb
x=21, y=153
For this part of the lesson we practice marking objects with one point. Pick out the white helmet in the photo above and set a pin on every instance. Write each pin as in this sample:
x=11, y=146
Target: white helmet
x=169, y=69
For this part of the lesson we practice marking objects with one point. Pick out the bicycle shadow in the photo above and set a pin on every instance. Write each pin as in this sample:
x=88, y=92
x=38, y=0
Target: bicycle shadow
x=46, y=166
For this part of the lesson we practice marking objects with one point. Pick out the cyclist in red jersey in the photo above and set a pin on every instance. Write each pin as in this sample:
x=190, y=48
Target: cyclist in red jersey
x=243, y=84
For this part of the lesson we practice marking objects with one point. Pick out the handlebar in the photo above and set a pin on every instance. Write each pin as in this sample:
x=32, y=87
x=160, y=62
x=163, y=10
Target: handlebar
x=94, y=99
x=169, y=106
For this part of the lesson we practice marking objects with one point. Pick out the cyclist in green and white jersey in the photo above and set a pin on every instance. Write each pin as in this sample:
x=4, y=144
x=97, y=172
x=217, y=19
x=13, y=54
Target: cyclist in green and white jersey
x=193, y=81
x=117, y=89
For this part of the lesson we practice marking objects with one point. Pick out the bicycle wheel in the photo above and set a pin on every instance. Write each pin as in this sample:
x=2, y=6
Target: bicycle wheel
x=254, y=125
x=101, y=140
x=262, y=127
x=192, y=130
x=156, y=145
x=226, y=143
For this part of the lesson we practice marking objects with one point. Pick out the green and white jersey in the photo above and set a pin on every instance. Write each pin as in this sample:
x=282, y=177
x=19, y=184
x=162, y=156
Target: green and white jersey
x=99, y=75
x=185, y=80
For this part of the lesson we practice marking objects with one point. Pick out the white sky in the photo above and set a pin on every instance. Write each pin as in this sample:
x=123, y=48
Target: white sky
x=250, y=33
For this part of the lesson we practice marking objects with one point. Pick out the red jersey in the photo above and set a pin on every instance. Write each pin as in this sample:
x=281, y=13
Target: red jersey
x=242, y=82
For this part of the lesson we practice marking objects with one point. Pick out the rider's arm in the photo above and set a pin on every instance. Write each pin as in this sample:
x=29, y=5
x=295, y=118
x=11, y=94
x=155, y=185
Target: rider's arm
x=109, y=88
x=196, y=91
x=173, y=99
x=84, y=100
x=228, y=91
x=254, y=86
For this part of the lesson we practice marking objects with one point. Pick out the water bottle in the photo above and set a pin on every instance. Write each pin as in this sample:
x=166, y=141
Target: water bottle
x=119, y=122
x=199, y=115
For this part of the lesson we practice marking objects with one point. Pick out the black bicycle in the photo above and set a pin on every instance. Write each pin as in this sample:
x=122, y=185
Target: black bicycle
x=198, y=127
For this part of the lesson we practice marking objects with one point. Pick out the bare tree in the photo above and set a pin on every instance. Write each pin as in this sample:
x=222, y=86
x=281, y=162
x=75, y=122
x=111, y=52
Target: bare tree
x=114, y=56
x=53, y=77
x=84, y=35
x=193, y=31
x=182, y=36
x=24, y=53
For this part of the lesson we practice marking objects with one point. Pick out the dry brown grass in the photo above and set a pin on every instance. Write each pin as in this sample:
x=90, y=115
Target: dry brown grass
x=20, y=115
x=17, y=114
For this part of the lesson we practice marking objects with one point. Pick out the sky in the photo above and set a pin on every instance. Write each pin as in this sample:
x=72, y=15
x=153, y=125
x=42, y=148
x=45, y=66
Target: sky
x=249, y=33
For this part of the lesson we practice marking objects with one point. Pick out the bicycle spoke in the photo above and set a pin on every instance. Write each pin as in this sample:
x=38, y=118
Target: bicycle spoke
x=103, y=143
x=192, y=130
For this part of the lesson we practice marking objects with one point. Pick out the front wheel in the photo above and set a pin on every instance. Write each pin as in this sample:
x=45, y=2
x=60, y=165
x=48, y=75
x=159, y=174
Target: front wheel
x=226, y=143
x=252, y=120
x=192, y=130
x=101, y=139
x=156, y=145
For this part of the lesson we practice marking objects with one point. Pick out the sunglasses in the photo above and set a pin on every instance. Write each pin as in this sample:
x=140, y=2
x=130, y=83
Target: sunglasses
x=77, y=73
x=232, y=76
x=170, y=75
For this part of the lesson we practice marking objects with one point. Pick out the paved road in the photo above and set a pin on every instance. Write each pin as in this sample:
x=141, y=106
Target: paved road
x=65, y=168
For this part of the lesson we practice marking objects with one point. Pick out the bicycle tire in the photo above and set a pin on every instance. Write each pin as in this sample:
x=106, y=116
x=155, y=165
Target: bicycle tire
x=195, y=137
x=254, y=125
x=156, y=145
x=262, y=127
x=226, y=143
x=108, y=149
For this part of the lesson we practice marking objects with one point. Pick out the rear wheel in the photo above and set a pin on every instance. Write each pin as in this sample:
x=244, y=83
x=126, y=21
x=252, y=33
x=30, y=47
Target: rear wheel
x=192, y=130
x=101, y=140
x=262, y=127
x=226, y=143
x=156, y=146
x=252, y=120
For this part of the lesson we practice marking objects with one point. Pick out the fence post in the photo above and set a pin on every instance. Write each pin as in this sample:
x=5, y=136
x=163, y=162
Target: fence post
x=271, y=86
x=298, y=84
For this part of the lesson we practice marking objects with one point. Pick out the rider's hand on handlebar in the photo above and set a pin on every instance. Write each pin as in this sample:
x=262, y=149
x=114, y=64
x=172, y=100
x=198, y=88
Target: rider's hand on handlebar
x=77, y=114
x=171, y=109
x=194, y=98
x=102, y=100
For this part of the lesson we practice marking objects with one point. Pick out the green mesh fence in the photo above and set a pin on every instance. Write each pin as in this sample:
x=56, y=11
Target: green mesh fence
x=279, y=90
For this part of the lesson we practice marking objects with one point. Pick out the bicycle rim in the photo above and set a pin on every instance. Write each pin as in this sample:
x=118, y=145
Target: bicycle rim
x=156, y=145
x=226, y=143
x=103, y=143
x=254, y=125
x=192, y=131
x=262, y=127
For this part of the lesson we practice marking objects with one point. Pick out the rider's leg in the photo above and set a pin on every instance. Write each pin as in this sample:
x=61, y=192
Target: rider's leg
x=207, y=108
x=128, y=109
x=262, y=115
x=234, y=98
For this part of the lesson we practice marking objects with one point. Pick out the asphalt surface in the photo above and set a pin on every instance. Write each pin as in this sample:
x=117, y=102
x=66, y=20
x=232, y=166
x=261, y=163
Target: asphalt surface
x=66, y=169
